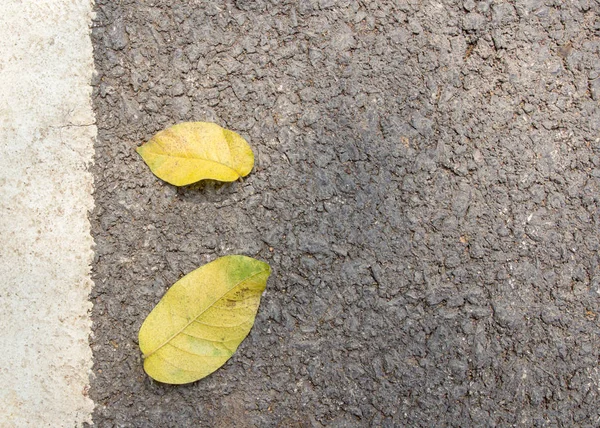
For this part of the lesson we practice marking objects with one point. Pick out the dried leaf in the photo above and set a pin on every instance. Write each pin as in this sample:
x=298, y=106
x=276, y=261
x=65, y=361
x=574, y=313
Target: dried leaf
x=192, y=151
x=202, y=319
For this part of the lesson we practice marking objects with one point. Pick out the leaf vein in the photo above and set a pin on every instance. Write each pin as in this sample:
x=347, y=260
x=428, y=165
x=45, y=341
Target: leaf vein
x=201, y=313
x=174, y=365
x=197, y=159
x=199, y=355
x=204, y=338
x=221, y=326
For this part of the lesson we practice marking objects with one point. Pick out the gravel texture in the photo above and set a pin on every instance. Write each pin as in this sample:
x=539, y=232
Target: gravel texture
x=426, y=191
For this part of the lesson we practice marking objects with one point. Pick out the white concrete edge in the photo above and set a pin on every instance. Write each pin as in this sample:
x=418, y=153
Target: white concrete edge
x=47, y=129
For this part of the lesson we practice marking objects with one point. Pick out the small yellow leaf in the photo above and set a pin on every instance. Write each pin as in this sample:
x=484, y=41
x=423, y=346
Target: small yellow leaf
x=202, y=319
x=192, y=151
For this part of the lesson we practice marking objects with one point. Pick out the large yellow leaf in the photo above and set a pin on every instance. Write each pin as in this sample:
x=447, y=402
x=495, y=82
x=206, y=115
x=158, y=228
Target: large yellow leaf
x=192, y=151
x=202, y=319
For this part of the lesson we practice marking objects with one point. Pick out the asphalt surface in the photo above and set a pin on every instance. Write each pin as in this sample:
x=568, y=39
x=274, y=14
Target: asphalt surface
x=426, y=191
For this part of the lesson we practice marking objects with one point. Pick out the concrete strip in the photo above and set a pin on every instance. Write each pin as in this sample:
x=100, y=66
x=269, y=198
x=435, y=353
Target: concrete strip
x=46, y=145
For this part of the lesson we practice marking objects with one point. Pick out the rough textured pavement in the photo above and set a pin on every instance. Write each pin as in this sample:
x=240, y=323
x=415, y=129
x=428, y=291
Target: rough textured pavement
x=426, y=191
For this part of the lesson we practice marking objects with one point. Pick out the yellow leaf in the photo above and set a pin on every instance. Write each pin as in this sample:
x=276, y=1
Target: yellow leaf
x=192, y=151
x=202, y=319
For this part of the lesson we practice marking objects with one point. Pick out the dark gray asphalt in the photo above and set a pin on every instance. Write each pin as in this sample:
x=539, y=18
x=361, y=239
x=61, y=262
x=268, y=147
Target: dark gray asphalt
x=427, y=192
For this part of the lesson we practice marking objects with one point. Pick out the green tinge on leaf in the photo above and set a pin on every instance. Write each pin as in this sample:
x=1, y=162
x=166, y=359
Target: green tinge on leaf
x=202, y=319
x=192, y=151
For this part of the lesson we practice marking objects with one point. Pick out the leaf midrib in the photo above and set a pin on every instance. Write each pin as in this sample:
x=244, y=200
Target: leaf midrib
x=200, y=314
x=198, y=158
x=160, y=144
